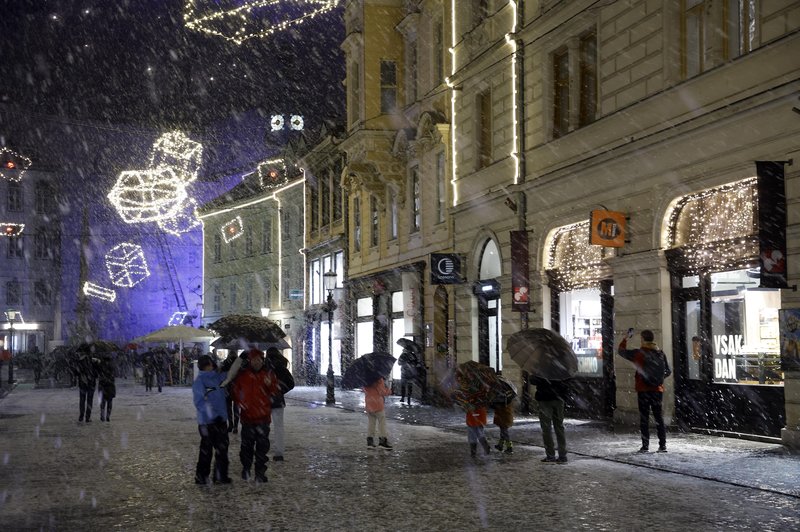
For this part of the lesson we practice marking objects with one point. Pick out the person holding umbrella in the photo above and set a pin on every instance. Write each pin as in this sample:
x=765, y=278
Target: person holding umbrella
x=409, y=364
x=551, y=397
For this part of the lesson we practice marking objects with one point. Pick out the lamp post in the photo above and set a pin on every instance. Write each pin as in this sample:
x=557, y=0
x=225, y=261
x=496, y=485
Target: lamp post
x=11, y=315
x=329, y=283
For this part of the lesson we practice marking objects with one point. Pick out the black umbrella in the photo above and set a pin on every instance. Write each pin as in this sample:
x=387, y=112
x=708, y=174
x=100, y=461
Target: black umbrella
x=97, y=348
x=367, y=369
x=251, y=329
x=543, y=353
x=411, y=345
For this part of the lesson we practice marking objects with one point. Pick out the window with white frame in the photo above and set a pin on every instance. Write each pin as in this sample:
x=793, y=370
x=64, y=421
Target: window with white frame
x=357, y=224
x=388, y=86
x=393, y=214
x=16, y=249
x=43, y=198
x=315, y=282
x=266, y=236
x=15, y=198
x=398, y=329
x=364, y=326
x=441, y=188
x=374, y=216
x=416, y=200
x=574, y=84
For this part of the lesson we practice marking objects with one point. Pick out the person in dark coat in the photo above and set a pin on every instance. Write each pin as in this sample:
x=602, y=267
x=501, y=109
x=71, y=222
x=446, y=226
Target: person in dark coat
x=148, y=366
x=409, y=367
x=551, y=396
x=233, y=408
x=106, y=386
x=86, y=370
x=212, y=422
x=279, y=365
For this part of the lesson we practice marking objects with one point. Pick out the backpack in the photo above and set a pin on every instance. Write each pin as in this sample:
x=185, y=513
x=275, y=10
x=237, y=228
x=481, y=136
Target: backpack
x=654, y=368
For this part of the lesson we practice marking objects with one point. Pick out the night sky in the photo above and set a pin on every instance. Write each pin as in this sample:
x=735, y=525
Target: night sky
x=134, y=61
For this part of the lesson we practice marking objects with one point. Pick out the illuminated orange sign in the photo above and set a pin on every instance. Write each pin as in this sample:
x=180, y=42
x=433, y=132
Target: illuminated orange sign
x=607, y=228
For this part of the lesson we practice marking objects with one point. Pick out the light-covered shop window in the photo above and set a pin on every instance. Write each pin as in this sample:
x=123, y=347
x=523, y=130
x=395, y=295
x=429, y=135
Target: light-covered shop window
x=744, y=329
x=364, y=328
x=581, y=321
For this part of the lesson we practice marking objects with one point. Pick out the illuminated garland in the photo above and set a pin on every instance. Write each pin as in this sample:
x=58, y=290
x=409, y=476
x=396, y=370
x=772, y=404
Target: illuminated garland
x=177, y=318
x=13, y=164
x=93, y=290
x=184, y=220
x=272, y=173
x=148, y=195
x=232, y=230
x=243, y=22
x=574, y=262
x=175, y=150
x=126, y=265
x=11, y=229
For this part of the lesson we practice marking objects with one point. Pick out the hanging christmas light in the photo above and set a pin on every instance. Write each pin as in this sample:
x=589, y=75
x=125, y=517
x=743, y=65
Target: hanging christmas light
x=13, y=164
x=177, y=318
x=573, y=262
x=11, y=229
x=272, y=173
x=276, y=122
x=184, y=220
x=177, y=151
x=232, y=230
x=296, y=122
x=126, y=265
x=251, y=18
x=93, y=290
x=148, y=195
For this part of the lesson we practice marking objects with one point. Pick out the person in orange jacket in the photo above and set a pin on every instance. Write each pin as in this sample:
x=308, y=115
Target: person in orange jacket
x=373, y=402
x=253, y=390
x=476, y=420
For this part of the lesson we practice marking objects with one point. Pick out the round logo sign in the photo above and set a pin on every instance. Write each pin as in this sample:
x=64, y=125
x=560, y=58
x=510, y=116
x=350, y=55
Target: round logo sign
x=608, y=228
x=446, y=266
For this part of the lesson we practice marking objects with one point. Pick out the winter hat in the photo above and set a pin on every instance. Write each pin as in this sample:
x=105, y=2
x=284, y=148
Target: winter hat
x=255, y=353
x=204, y=361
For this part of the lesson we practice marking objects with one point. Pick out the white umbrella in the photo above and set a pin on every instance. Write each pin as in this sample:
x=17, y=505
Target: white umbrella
x=177, y=333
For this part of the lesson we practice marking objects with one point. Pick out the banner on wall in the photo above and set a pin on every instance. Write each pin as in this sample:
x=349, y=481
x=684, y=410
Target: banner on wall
x=771, y=223
x=411, y=302
x=520, y=278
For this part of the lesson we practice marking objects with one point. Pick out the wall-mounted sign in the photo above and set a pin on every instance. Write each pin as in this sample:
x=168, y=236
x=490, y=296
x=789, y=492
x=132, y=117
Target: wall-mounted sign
x=295, y=294
x=772, y=224
x=520, y=280
x=607, y=228
x=790, y=338
x=446, y=268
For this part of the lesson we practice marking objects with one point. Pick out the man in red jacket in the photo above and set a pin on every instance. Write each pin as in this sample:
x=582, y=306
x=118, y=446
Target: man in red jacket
x=252, y=391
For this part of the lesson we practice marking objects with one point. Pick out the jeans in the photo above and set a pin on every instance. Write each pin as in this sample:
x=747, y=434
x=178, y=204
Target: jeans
x=255, y=443
x=476, y=434
x=277, y=426
x=379, y=419
x=233, y=413
x=85, y=404
x=551, y=416
x=105, y=407
x=651, y=401
x=406, y=387
x=213, y=437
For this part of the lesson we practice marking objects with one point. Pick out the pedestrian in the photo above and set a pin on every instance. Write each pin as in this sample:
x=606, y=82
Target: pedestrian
x=279, y=365
x=212, y=423
x=148, y=366
x=161, y=363
x=476, y=421
x=409, y=363
x=37, y=365
x=87, y=381
x=233, y=408
x=651, y=369
x=504, y=419
x=253, y=390
x=551, y=396
x=106, y=386
x=376, y=417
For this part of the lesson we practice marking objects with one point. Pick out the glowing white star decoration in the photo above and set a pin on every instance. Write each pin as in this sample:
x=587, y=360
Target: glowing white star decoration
x=250, y=19
x=13, y=164
x=177, y=151
x=148, y=195
x=296, y=122
x=232, y=230
x=126, y=265
x=272, y=173
x=276, y=123
x=93, y=290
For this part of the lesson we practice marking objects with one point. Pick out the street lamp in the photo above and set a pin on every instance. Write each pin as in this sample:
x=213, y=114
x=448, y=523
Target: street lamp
x=11, y=315
x=329, y=283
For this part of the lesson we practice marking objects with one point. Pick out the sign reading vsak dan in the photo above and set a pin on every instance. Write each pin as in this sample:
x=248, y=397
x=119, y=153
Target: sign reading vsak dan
x=607, y=228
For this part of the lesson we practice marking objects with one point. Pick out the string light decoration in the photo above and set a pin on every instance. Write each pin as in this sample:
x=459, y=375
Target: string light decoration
x=296, y=123
x=252, y=18
x=716, y=228
x=184, y=220
x=177, y=318
x=573, y=263
x=177, y=151
x=272, y=173
x=11, y=229
x=276, y=122
x=12, y=164
x=232, y=230
x=148, y=195
x=126, y=265
x=93, y=290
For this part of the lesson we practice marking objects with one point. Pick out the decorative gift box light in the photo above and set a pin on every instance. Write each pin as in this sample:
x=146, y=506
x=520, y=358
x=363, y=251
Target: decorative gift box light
x=232, y=230
x=126, y=265
x=272, y=173
x=13, y=164
x=184, y=220
x=175, y=150
x=148, y=195
x=93, y=290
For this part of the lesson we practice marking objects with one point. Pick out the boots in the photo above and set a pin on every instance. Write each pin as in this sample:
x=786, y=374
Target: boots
x=383, y=443
x=485, y=445
x=473, y=449
x=499, y=445
x=509, y=447
x=370, y=443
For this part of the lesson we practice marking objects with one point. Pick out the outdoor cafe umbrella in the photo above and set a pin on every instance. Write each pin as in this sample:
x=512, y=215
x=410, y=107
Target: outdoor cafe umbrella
x=543, y=353
x=177, y=333
x=367, y=369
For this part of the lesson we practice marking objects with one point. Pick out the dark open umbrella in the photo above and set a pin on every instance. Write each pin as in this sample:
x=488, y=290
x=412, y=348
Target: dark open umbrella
x=367, y=369
x=543, y=353
x=251, y=329
x=97, y=348
x=475, y=385
x=226, y=342
x=411, y=345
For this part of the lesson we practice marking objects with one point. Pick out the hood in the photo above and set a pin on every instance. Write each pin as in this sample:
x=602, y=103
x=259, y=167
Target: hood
x=209, y=378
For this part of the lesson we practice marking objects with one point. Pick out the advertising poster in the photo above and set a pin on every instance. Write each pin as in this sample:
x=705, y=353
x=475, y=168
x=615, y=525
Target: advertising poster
x=790, y=339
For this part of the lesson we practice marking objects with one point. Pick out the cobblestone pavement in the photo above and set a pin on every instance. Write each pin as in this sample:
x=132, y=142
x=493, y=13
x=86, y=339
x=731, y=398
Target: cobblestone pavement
x=136, y=473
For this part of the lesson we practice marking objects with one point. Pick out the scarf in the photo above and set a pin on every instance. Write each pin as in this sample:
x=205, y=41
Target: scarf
x=650, y=345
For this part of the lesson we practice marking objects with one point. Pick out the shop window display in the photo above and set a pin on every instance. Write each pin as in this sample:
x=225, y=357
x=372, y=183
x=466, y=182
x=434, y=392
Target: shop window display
x=581, y=326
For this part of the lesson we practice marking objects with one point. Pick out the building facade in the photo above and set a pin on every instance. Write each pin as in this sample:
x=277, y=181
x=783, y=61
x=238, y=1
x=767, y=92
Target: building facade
x=539, y=112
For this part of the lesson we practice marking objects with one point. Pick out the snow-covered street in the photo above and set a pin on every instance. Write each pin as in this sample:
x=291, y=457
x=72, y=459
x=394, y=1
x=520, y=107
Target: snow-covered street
x=136, y=473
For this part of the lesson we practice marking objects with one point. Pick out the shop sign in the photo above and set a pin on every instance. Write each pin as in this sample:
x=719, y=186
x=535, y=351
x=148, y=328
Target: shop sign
x=729, y=346
x=296, y=294
x=789, y=323
x=771, y=223
x=607, y=228
x=446, y=268
x=520, y=280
